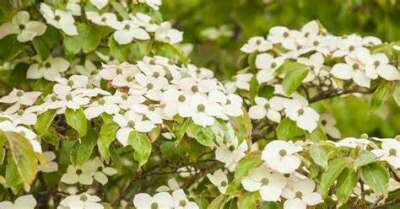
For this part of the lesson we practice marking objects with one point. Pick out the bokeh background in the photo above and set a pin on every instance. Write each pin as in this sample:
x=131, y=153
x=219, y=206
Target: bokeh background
x=218, y=28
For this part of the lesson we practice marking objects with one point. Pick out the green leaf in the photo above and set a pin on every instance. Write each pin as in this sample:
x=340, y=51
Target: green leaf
x=142, y=146
x=171, y=51
x=44, y=121
x=376, y=177
x=88, y=39
x=254, y=87
x=287, y=129
x=12, y=177
x=45, y=43
x=77, y=120
x=180, y=130
x=396, y=94
x=23, y=156
x=364, y=158
x=120, y=9
x=294, y=75
x=203, y=135
x=345, y=184
x=319, y=155
x=248, y=200
x=381, y=94
x=218, y=203
x=83, y=148
x=335, y=168
x=250, y=161
x=106, y=137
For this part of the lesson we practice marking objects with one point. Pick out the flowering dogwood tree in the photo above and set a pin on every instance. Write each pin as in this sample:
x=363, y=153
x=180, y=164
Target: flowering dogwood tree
x=105, y=110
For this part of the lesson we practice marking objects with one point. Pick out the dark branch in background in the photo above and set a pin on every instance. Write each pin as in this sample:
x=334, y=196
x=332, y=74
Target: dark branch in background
x=338, y=92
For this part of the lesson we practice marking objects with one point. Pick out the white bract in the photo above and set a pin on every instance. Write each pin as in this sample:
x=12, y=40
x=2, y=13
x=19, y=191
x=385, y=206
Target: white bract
x=81, y=201
x=21, y=24
x=300, y=193
x=282, y=156
x=50, y=69
x=219, y=179
x=162, y=200
x=60, y=19
x=22, y=202
x=269, y=184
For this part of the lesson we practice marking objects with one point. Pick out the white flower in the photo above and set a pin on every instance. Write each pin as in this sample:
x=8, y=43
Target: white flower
x=21, y=24
x=240, y=81
x=107, y=104
x=284, y=36
x=231, y=103
x=50, y=69
x=268, y=65
x=62, y=100
x=105, y=19
x=269, y=184
x=300, y=193
x=82, y=174
x=74, y=82
x=155, y=4
x=230, y=154
x=352, y=69
x=390, y=152
x=328, y=123
x=269, y=108
x=20, y=116
x=282, y=156
x=101, y=173
x=60, y=19
x=306, y=118
x=162, y=200
x=131, y=121
x=20, y=97
x=352, y=142
x=127, y=31
x=48, y=165
x=378, y=65
x=202, y=110
x=167, y=34
x=256, y=44
x=175, y=102
x=81, y=201
x=10, y=126
x=348, y=45
x=219, y=179
x=100, y=4
x=181, y=201
x=22, y=202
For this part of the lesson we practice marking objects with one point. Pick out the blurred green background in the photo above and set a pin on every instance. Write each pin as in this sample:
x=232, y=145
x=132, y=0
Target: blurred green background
x=218, y=28
x=247, y=18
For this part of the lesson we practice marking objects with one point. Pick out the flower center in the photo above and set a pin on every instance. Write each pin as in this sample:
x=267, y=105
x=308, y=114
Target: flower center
x=127, y=27
x=20, y=94
x=265, y=181
x=376, y=63
x=181, y=98
x=300, y=112
x=103, y=19
x=201, y=108
x=78, y=171
x=298, y=195
x=285, y=34
x=195, y=89
x=258, y=42
x=224, y=183
x=316, y=43
x=392, y=152
x=154, y=205
x=83, y=198
x=129, y=78
x=306, y=34
x=182, y=203
x=273, y=65
x=70, y=83
x=282, y=152
x=68, y=97
x=231, y=148
x=119, y=71
x=102, y=101
x=355, y=66
x=21, y=26
x=149, y=86
x=156, y=74
x=324, y=122
x=352, y=48
x=57, y=18
x=47, y=65
x=131, y=124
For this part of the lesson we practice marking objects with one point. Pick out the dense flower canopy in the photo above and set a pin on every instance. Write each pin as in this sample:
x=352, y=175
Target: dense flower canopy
x=111, y=113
